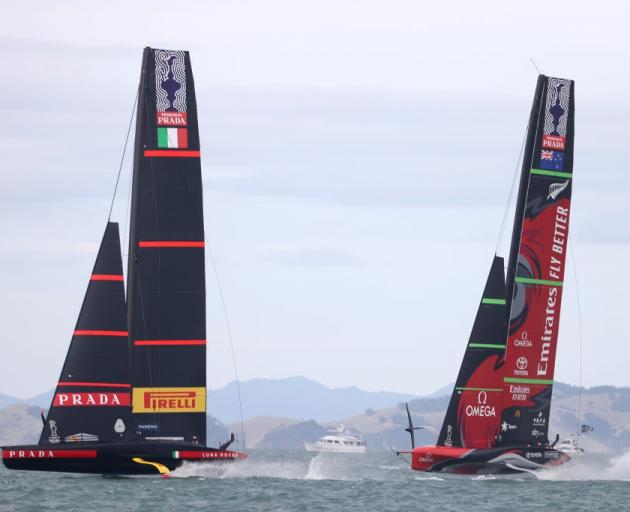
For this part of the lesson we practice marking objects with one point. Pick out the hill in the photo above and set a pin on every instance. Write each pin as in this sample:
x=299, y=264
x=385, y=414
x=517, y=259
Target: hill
x=293, y=397
x=606, y=408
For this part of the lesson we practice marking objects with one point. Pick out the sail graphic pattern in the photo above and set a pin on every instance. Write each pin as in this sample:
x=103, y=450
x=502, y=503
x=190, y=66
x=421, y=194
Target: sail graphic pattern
x=93, y=397
x=166, y=292
x=541, y=243
x=170, y=81
x=473, y=415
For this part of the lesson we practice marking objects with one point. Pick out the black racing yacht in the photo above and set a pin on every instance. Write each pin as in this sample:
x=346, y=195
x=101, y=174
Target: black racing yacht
x=131, y=397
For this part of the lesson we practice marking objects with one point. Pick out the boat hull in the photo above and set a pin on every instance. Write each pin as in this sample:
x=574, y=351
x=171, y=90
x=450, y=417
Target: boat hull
x=474, y=461
x=318, y=447
x=113, y=458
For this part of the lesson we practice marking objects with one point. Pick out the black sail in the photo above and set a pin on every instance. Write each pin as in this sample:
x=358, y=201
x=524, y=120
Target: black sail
x=93, y=396
x=166, y=291
x=472, y=417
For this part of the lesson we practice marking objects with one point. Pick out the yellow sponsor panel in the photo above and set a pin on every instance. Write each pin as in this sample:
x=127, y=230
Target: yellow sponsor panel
x=165, y=400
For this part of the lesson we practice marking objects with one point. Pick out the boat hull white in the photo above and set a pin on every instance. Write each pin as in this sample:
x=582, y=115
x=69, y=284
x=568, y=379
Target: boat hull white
x=319, y=447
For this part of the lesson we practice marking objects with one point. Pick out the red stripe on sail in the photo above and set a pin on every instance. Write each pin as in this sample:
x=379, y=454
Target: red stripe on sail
x=171, y=153
x=167, y=244
x=106, y=277
x=100, y=333
x=168, y=342
x=94, y=384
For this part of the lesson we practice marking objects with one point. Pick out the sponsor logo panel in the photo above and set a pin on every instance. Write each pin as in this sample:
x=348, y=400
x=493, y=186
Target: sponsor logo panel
x=554, y=142
x=542, y=260
x=481, y=408
x=92, y=400
x=214, y=454
x=177, y=119
x=53, y=438
x=48, y=454
x=169, y=400
x=81, y=437
x=519, y=392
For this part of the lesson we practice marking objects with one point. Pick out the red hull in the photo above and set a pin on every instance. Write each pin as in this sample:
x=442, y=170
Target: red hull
x=509, y=459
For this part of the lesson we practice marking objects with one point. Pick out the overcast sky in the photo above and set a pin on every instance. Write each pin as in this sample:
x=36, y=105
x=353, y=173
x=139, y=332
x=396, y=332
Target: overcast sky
x=357, y=158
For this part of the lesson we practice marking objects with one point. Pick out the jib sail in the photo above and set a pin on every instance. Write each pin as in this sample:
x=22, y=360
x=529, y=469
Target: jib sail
x=537, y=263
x=93, y=396
x=166, y=291
x=473, y=415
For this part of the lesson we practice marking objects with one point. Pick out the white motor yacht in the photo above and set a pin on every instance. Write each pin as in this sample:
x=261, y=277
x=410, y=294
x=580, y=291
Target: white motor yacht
x=338, y=440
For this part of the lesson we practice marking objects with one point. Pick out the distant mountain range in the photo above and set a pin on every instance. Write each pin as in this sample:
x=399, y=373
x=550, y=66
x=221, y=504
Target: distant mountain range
x=296, y=397
x=42, y=400
x=605, y=408
x=282, y=414
x=293, y=397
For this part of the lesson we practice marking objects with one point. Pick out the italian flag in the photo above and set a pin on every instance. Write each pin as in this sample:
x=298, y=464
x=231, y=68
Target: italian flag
x=172, y=137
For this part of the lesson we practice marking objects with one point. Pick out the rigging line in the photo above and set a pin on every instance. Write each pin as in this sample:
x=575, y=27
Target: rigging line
x=126, y=234
x=577, y=294
x=122, y=158
x=531, y=59
x=511, y=194
x=229, y=330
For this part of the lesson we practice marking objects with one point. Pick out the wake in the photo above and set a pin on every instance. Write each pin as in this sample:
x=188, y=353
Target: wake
x=590, y=467
x=323, y=466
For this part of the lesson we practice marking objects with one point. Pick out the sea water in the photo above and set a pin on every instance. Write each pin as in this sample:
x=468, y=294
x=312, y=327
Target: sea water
x=294, y=480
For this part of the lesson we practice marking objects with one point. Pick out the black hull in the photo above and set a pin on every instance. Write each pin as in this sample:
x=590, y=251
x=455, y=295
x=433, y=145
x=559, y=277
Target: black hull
x=145, y=458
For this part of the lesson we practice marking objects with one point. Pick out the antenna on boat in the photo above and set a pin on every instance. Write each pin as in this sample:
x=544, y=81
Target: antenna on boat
x=531, y=59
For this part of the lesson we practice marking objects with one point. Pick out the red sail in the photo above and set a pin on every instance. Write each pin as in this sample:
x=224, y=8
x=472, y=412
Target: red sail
x=538, y=266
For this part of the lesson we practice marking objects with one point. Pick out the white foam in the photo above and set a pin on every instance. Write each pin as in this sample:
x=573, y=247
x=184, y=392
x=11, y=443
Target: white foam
x=587, y=467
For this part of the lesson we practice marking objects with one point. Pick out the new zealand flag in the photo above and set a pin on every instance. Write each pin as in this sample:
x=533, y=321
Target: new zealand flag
x=552, y=160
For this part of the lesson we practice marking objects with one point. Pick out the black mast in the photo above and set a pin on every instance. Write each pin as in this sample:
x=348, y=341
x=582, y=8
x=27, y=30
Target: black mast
x=521, y=199
x=132, y=258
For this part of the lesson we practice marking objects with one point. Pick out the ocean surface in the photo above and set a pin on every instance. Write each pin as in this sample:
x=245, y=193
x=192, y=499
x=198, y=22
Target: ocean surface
x=292, y=480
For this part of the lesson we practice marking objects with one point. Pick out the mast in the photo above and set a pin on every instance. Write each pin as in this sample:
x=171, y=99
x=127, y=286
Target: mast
x=166, y=292
x=532, y=126
x=138, y=155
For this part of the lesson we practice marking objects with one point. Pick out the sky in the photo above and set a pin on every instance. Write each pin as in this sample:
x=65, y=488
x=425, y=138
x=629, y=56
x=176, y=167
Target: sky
x=357, y=161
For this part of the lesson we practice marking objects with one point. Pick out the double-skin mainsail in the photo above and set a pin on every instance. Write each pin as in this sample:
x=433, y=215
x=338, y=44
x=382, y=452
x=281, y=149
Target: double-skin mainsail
x=166, y=289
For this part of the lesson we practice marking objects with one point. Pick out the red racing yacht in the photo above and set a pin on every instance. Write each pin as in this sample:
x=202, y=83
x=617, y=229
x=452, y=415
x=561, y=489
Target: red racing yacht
x=497, y=420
